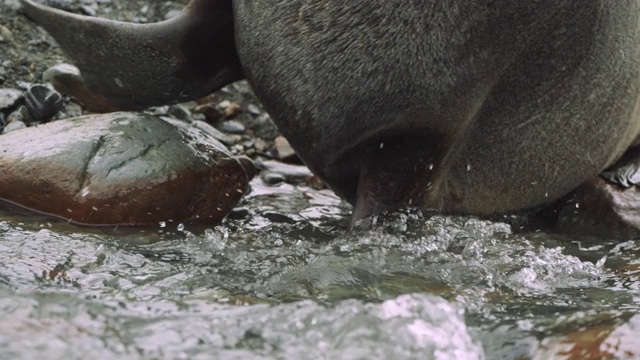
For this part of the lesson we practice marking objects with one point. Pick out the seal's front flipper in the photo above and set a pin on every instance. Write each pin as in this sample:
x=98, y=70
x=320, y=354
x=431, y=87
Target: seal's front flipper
x=395, y=172
x=132, y=66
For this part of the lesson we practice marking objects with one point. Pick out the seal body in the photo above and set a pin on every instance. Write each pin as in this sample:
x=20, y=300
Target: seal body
x=474, y=107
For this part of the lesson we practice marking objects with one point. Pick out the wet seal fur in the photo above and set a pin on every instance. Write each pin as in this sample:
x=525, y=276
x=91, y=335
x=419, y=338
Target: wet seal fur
x=469, y=107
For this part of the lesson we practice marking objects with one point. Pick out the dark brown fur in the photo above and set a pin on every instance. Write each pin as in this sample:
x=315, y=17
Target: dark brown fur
x=475, y=107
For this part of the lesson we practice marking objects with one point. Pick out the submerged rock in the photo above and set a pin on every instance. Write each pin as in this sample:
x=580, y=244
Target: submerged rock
x=121, y=168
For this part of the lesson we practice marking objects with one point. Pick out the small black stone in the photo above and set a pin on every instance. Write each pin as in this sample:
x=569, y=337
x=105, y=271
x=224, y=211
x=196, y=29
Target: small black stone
x=42, y=102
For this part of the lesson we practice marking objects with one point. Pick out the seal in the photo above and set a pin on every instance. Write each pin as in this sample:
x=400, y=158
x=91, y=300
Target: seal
x=461, y=107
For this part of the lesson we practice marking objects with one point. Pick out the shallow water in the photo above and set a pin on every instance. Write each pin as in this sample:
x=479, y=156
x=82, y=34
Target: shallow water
x=286, y=278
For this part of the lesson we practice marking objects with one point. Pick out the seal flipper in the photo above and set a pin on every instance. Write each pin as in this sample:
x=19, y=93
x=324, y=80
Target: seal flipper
x=388, y=175
x=129, y=66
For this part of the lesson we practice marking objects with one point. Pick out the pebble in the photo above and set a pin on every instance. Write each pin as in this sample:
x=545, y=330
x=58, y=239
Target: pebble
x=272, y=178
x=5, y=34
x=42, y=102
x=13, y=126
x=73, y=109
x=88, y=10
x=233, y=127
x=249, y=143
x=209, y=129
x=62, y=69
x=238, y=213
x=285, y=151
x=260, y=145
x=9, y=97
x=231, y=111
x=277, y=217
x=293, y=173
x=172, y=13
x=253, y=109
x=180, y=112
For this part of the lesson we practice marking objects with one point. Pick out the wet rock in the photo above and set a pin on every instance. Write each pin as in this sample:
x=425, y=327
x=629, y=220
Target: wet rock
x=277, y=217
x=272, y=178
x=180, y=112
x=292, y=173
x=254, y=110
x=67, y=79
x=315, y=182
x=9, y=98
x=614, y=337
x=73, y=110
x=260, y=145
x=20, y=116
x=217, y=134
x=217, y=113
x=285, y=151
x=239, y=213
x=233, y=127
x=602, y=208
x=5, y=34
x=13, y=126
x=172, y=13
x=121, y=168
x=42, y=102
x=60, y=71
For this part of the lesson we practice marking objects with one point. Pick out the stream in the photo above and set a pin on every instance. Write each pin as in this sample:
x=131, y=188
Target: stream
x=285, y=277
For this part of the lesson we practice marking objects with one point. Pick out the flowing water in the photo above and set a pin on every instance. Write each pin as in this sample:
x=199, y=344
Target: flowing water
x=286, y=278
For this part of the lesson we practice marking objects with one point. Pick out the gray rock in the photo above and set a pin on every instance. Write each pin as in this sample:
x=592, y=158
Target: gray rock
x=217, y=134
x=9, y=97
x=121, y=168
x=253, y=109
x=232, y=127
x=180, y=112
x=285, y=151
x=272, y=178
x=5, y=34
x=58, y=70
x=13, y=126
x=293, y=173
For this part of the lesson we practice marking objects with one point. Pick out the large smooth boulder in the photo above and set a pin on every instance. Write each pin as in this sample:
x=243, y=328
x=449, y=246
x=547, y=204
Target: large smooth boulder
x=121, y=169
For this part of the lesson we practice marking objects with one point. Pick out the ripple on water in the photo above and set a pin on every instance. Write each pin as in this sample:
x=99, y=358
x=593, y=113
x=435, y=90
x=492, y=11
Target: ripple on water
x=258, y=287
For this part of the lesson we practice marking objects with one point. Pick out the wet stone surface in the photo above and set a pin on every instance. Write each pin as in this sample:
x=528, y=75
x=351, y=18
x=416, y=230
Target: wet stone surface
x=121, y=169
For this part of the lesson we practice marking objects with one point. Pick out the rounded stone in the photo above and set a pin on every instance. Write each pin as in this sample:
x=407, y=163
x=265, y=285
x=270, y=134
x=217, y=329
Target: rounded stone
x=121, y=169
